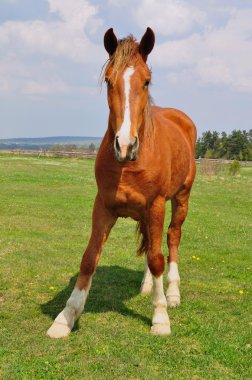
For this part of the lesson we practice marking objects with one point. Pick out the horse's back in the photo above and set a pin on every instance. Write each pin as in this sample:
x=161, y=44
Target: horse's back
x=180, y=120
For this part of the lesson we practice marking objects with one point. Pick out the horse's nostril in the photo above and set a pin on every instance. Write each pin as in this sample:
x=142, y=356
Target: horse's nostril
x=136, y=142
x=133, y=150
x=117, y=146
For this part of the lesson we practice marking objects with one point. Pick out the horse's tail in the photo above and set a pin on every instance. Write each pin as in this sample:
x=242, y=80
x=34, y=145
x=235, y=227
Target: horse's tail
x=143, y=237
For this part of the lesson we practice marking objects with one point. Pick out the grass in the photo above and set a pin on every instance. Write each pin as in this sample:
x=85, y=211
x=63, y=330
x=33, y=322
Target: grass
x=45, y=210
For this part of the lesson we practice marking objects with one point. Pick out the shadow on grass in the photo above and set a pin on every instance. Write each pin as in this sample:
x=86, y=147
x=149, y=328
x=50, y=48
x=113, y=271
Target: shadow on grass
x=111, y=287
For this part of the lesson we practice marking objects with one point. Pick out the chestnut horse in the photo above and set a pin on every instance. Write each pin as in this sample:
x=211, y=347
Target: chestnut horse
x=146, y=158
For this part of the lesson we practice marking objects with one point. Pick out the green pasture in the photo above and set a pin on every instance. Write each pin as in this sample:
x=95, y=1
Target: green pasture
x=45, y=219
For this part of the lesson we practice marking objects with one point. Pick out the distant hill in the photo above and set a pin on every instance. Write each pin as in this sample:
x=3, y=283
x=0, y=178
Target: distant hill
x=38, y=143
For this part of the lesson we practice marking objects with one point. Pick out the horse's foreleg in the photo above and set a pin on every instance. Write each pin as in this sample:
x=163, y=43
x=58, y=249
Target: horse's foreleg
x=156, y=263
x=103, y=221
x=179, y=212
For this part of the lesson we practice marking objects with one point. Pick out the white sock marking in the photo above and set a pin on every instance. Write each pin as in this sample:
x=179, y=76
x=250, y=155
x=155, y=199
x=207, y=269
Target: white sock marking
x=160, y=315
x=173, y=273
x=74, y=307
x=147, y=283
x=65, y=321
x=124, y=133
x=147, y=272
x=77, y=301
x=173, y=282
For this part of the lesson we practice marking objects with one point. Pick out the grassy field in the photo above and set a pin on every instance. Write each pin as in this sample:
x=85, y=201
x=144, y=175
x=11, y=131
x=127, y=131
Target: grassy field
x=45, y=210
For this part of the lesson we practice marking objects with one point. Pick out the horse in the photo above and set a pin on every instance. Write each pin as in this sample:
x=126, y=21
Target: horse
x=145, y=159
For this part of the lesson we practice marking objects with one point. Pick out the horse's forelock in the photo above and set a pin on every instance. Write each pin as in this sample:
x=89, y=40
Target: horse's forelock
x=126, y=54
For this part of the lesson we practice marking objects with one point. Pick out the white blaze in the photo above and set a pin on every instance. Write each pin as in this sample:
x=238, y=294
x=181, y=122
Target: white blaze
x=124, y=133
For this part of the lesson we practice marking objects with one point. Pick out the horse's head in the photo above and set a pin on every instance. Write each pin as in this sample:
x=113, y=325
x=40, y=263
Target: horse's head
x=127, y=76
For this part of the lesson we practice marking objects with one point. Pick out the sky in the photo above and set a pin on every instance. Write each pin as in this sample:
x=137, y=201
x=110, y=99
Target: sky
x=51, y=54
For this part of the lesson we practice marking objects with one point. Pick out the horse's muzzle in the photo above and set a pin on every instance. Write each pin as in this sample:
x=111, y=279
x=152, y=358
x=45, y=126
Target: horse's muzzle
x=126, y=152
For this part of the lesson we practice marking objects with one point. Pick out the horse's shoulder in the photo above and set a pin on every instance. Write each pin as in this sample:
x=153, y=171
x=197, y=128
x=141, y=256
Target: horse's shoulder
x=180, y=119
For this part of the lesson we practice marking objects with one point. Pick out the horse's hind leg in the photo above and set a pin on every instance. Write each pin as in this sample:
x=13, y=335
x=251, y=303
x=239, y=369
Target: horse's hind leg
x=147, y=282
x=156, y=263
x=179, y=212
x=103, y=221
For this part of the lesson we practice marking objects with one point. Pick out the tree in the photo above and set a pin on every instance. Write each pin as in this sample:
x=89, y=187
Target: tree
x=91, y=147
x=237, y=145
x=223, y=145
x=199, y=148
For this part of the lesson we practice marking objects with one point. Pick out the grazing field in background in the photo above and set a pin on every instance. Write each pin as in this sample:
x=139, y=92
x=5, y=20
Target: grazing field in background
x=45, y=220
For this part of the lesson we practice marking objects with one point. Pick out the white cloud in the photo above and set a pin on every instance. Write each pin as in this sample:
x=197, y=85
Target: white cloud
x=176, y=53
x=76, y=14
x=66, y=37
x=213, y=70
x=118, y=3
x=219, y=55
x=169, y=17
x=194, y=46
x=33, y=87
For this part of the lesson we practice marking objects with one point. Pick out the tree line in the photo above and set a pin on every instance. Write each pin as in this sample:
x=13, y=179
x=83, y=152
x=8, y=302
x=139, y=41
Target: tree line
x=235, y=146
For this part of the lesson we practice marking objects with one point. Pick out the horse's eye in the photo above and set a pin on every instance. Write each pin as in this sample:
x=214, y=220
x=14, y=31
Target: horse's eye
x=146, y=83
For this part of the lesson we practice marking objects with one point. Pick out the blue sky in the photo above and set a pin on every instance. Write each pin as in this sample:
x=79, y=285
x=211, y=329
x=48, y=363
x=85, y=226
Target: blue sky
x=51, y=54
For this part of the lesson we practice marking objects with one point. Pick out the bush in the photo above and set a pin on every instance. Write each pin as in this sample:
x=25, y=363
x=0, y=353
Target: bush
x=235, y=168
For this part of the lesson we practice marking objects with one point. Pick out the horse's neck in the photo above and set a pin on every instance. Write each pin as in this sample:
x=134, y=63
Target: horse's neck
x=147, y=132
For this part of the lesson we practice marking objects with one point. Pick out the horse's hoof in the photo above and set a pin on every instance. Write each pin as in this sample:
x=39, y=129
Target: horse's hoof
x=160, y=329
x=146, y=288
x=58, y=330
x=173, y=301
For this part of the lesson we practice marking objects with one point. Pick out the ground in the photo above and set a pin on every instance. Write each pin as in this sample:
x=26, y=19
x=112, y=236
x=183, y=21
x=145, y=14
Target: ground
x=45, y=219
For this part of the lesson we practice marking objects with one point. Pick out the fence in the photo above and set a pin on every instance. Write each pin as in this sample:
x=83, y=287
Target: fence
x=215, y=166
x=203, y=162
x=47, y=153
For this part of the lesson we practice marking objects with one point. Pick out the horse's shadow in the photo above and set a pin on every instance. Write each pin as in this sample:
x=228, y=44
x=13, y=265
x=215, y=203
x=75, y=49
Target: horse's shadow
x=111, y=287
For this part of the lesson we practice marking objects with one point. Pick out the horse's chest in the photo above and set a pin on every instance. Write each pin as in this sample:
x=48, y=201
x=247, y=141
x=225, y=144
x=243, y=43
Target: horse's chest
x=126, y=195
x=130, y=195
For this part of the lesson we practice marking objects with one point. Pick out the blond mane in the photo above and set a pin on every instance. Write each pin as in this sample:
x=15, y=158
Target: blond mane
x=126, y=54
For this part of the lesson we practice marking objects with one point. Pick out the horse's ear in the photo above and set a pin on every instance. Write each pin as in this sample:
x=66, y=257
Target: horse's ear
x=147, y=43
x=110, y=41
